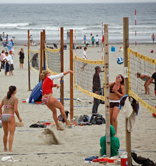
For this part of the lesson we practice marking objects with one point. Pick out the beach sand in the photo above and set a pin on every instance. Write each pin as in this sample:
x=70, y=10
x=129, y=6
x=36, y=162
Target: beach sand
x=78, y=142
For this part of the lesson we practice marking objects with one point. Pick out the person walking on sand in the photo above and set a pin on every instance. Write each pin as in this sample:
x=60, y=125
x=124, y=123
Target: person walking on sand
x=153, y=37
x=47, y=98
x=84, y=56
x=21, y=58
x=10, y=103
x=11, y=63
x=116, y=92
x=7, y=60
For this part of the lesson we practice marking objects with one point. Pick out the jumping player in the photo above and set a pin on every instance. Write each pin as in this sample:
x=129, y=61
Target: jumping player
x=47, y=98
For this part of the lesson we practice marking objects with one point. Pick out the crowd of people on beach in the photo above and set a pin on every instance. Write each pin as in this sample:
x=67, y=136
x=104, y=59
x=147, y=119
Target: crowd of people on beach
x=7, y=54
x=94, y=40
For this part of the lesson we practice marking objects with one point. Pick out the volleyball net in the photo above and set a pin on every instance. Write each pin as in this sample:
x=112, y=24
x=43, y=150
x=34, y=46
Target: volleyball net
x=53, y=61
x=83, y=76
x=146, y=66
x=34, y=60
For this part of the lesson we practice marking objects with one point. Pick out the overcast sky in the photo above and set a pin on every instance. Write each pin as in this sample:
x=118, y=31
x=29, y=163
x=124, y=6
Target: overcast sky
x=72, y=1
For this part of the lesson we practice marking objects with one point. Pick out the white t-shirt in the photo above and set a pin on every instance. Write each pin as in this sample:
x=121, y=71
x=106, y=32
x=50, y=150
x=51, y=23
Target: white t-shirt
x=7, y=58
x=84, y=54
x=97, y=39
x=11, y=59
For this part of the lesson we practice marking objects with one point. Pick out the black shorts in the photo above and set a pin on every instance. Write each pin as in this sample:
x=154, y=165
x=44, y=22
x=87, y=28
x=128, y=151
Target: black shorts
x=114, y=104
x=11, y=67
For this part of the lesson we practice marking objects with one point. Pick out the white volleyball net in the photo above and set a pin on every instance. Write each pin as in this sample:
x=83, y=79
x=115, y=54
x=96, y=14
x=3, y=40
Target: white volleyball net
x=83, y=77
x=146, y=66
x=53, y=61
x=34, y=60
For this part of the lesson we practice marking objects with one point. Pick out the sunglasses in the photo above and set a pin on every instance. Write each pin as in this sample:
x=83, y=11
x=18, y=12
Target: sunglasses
x=118, y=77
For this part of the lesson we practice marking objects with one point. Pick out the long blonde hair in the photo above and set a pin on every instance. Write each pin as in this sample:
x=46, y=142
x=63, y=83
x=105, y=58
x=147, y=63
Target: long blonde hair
x=44, y=73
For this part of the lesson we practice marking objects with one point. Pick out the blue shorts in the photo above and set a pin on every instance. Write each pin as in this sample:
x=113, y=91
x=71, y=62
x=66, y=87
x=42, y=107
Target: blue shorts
x=7, y=67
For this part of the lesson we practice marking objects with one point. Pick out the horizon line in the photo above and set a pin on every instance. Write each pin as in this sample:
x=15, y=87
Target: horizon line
x=78, y=2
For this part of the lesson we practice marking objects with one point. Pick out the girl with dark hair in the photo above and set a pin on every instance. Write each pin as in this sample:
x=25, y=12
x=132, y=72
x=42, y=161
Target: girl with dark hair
x=10, y=103
x=47, y=98
x=116, y=92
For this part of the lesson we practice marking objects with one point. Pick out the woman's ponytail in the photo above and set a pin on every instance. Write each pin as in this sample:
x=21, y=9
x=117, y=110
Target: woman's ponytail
x=11, y=91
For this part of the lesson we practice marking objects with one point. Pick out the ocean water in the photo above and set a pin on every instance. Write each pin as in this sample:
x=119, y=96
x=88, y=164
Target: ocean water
x=16, y=19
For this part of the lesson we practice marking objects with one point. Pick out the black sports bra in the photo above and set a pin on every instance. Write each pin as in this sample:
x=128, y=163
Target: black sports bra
x=111, y=89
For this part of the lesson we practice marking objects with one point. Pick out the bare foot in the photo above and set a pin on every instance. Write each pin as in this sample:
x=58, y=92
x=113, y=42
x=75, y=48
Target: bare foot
x=59, y=128
x=69, y=123
x=5, y=149
x=10, y=150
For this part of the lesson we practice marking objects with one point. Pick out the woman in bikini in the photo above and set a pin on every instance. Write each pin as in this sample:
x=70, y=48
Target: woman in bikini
x=47, y=98
x=10, y=103
x=116, y=92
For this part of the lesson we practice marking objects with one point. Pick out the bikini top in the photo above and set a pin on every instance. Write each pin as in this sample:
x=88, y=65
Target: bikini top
x=8, y=106
x=111, y=89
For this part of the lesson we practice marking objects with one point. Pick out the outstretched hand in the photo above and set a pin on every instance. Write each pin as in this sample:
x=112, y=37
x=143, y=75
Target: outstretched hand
x=71, y=72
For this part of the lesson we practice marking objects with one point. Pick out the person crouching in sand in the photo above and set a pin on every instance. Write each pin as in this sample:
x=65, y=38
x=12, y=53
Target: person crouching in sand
x=47, y=98
x=10, y=103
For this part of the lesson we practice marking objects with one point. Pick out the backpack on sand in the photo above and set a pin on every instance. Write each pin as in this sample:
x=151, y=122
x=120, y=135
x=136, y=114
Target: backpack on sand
x=97, y=119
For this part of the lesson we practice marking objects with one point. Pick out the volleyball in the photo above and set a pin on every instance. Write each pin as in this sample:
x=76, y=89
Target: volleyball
x=120, y=60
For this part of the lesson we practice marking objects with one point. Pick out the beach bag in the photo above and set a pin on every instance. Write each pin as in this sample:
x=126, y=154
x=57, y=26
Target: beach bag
x=60, y=117
x=84, y=118
x=97, y=119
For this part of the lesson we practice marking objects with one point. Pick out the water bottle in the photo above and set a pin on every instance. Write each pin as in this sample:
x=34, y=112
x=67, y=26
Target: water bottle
x=32, y=101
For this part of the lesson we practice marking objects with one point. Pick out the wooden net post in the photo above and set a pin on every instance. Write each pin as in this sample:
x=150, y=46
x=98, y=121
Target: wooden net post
x=29, y=88
x=62, y=65
x=126, y=45
x=71, y=75
x=41, y=51
x=43, y=56
x=107, y=91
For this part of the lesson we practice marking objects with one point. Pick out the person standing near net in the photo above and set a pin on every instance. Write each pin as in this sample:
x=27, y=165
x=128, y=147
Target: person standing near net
x=153, y=37
x=84, y=56
x=47, y=98
x=21, y=58
x=10, y=103
x=153, y=77
x=116, y=93
x=96, y=89
x=34, y=61
x=145, y=77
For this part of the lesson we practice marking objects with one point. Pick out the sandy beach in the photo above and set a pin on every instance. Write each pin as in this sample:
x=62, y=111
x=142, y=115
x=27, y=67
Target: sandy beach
x=78, y=142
